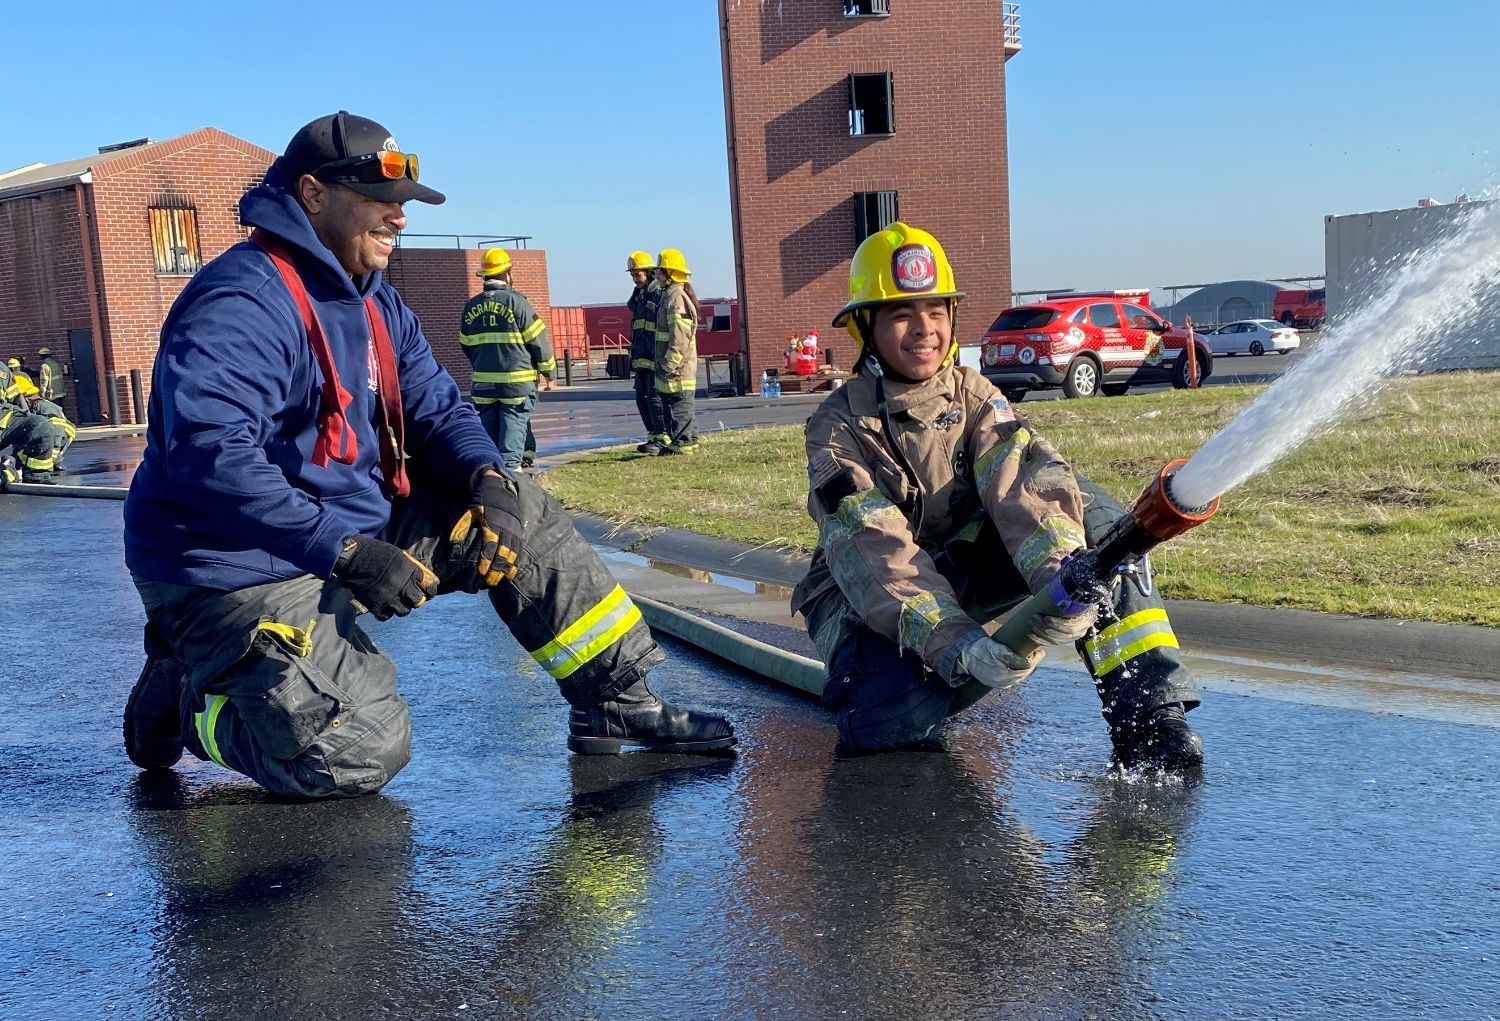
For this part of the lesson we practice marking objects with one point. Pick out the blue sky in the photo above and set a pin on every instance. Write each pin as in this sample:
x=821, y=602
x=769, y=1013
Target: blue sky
x=1151, y=144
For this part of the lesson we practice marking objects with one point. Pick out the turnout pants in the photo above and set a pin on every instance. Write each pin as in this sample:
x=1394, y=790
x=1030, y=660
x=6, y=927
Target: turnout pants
x=280, y=683
x=33, y=438
x=677, y=416
x=648, y=403
x=885, y=697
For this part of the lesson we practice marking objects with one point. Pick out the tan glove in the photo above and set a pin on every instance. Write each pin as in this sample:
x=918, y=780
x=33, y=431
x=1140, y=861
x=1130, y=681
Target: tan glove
x=993, y=664
x=1050, y=629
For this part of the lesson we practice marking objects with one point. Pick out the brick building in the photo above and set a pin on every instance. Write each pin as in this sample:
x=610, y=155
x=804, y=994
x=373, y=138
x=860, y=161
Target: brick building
x=93, y=252
x=844, y=115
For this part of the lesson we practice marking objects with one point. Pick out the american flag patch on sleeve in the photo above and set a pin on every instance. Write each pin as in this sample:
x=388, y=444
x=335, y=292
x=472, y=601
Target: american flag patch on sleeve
x=821, y=468
x=1003, y=411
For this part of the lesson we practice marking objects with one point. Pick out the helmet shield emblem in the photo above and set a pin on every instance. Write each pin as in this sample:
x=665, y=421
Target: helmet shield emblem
x=914, y=269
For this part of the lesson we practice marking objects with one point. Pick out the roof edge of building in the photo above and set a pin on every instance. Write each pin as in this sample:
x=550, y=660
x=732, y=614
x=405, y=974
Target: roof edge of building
x=129, y=159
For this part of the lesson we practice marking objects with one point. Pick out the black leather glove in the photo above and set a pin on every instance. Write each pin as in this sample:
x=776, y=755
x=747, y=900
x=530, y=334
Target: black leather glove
x=384, y=579
x=499, y=531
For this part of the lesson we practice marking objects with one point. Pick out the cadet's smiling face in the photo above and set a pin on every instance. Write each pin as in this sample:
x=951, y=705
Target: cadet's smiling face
x=913, y=337
x=359, y=231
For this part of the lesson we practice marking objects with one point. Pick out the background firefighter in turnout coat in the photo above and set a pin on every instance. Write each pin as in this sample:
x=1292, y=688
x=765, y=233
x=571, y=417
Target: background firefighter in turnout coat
x=507, y=344
x=307, y=460
x=32, y=434
x=643, y=307
x=676, y=352
x=938, y=510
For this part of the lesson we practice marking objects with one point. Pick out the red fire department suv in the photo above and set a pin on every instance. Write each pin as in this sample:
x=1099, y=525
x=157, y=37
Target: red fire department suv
x=1086, y=343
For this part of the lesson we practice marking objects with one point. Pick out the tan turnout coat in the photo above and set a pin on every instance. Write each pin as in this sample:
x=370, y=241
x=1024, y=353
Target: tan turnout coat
x=908, y=494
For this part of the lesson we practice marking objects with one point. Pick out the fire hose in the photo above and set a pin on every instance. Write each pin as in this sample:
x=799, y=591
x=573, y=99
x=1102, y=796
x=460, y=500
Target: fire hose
x=1088, y=576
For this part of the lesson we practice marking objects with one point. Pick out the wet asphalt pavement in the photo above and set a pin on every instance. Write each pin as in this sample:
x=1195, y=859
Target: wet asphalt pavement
x=1332, y=862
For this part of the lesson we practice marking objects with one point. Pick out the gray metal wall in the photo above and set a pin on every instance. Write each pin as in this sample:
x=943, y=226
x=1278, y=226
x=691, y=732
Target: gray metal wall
x=1361, y=250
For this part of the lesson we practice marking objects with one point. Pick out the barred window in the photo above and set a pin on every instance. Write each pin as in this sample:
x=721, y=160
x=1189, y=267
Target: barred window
x=174, y=240
x=874, y=211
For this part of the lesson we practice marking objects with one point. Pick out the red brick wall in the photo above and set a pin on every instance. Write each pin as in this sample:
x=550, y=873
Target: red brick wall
x=794, y=168
x=435, y=283
x=210, y=171
x=42, y=292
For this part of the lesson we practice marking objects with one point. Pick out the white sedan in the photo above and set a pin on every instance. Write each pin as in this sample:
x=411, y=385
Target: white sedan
x=1252, y=336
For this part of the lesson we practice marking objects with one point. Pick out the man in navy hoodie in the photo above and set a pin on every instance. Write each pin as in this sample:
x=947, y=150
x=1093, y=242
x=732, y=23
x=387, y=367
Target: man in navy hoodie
x=308, y=460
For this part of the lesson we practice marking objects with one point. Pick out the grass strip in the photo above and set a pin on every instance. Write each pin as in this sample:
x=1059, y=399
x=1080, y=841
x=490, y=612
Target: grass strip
x=1394, y=511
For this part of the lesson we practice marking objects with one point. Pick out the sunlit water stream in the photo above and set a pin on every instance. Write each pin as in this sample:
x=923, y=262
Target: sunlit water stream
x=1427, y=299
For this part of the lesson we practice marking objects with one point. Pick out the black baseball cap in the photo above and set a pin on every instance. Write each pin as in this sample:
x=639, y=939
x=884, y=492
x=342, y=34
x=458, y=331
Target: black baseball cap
x=348, y=150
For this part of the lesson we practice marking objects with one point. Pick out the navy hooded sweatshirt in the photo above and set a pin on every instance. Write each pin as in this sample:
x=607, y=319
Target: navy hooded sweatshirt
x=227, y=495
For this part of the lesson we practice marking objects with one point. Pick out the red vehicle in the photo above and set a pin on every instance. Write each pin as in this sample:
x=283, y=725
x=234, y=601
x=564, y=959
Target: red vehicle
x=1300, y=307
x=1087, y=343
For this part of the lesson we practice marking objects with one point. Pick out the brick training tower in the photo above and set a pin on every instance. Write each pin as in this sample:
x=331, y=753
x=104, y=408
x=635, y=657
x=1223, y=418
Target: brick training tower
x=843, y=115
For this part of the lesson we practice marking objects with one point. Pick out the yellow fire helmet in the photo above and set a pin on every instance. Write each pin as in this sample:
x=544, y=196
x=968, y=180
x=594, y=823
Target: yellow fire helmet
x=495, y=262
x=899, y=263
x=13, y=363
x=43, y=352
x=676, y=266
x=639, y=261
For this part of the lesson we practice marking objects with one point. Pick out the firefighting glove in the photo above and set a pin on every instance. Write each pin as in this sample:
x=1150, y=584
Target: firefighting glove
x=492, y=518
x=993, y=663
x=1057, y=629
x=383, y=579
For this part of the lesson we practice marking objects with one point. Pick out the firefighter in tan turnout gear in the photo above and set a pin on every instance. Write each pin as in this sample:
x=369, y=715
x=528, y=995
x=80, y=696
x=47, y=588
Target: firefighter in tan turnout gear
x=937, y=511
x=676, y=352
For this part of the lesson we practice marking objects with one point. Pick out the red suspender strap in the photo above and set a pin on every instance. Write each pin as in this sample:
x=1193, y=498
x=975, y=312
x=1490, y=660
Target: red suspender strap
x=392, y=423
x=336, y=438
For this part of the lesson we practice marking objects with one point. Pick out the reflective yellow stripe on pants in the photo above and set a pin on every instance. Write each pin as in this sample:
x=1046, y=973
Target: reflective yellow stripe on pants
x=589, y=635
x=1120, y=643
x=207, y=722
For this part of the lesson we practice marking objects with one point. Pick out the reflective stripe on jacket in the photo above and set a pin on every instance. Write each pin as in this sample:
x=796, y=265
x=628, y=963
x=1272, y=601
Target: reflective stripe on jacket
x=894, y=485
x=676, y=361
x=10, y=388
x=643, y=307
x=506, y=343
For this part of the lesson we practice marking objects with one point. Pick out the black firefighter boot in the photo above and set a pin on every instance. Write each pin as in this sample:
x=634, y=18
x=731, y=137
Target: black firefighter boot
x=153, y=719
x=637, y=716
x=1161, y=738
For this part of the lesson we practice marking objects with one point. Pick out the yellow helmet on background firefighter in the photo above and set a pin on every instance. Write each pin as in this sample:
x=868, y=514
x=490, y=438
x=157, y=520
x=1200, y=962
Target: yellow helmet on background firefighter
x=495, y=262
x=639, y=261
x=899, y=263
x=676, y=266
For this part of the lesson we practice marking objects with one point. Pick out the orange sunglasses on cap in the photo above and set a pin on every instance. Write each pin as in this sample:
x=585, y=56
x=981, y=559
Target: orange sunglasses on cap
x=372, y=168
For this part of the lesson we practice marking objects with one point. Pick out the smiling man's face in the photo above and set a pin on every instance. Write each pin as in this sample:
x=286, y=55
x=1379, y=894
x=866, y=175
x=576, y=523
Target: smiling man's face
x=913, y=337
x=359, y=231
